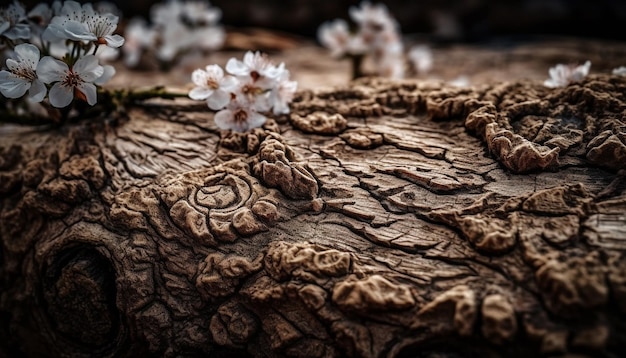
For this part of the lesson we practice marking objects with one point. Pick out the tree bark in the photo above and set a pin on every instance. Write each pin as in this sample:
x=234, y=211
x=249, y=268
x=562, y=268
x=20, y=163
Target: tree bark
x=381, y=219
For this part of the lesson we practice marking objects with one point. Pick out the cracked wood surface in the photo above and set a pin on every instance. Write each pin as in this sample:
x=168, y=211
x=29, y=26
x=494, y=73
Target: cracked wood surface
x=380, y=219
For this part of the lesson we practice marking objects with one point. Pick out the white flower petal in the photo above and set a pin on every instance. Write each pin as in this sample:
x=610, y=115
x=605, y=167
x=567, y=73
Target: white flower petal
x=13, y=65
x=237, y=68
x=215, y=72
x=224, y=119
x=248, y=58
x=199, y=78
x=89, y=90
x=109, y=71
x=71, y=7
x=19, y=31
x=88, y=69
x=200, y=93
x=229, y=83
x=60, y=96
x=218, y=100
x=54, y=32
x=78, y=31
x=12, y=86
x=29, y=53
x=209, y=38
x=114, y=41
x=255, y=120
x=42, y=13
x=37, y=91
x=4, y=26
x=51, y=70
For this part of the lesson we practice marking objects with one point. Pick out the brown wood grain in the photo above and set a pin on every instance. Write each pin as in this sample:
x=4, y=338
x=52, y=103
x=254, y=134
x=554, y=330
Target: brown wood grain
x=378, y=219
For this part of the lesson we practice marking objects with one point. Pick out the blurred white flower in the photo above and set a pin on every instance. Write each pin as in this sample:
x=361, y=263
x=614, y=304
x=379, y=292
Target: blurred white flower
x=238, y=118
x=562, y=75
x=421, y=58
x=81, y=23
x=12, y=24
x=22, y=75
x=373, y=18
x=200, y=13
x=207, y=38
x=139, y=37
x=212, y=86
x=41, y=14
x=186, y=26
x=620, y=71
x=335, y=36
x=77, y=81
x=377, y=36
x=106, y=7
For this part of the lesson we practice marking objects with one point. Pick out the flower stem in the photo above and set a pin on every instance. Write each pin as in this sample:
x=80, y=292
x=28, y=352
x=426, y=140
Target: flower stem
x=357, y=61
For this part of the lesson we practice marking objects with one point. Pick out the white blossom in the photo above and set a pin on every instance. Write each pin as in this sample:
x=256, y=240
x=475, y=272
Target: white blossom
x=207, y=38
x=21, y=75
x=336, y=36
x=377, y=36
x=174, y=39
x=255, y=65
x=562, y=75
x=248, y=92
x=376, y=27
x=253, y=87
x=184, y=26
x=421, y=58
x=12, y=24
x=138, y=38
x=373, y=17
x=282, y=94
x=212, y=86
x=619, y=71
x=239, y=118
x=70, y=82
x=82, y=23
x=43, y=13
x=200, y=13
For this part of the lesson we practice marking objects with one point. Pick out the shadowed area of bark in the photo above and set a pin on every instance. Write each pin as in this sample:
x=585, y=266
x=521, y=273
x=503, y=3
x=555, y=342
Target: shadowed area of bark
x=379, y=219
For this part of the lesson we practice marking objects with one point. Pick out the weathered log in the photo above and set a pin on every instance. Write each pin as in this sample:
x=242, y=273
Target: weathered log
x=381, y=219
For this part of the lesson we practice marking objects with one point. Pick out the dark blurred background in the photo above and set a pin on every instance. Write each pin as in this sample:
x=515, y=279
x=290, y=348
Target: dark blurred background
x=448, y=20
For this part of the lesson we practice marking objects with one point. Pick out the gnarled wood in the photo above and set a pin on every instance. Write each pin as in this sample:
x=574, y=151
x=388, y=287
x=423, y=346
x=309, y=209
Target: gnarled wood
x=381, y=219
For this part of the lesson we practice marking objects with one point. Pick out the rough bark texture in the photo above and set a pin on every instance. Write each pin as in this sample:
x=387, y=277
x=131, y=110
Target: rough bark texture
x=378, y=219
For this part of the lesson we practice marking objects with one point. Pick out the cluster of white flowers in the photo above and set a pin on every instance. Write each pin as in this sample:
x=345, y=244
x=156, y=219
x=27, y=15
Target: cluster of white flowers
x=377, y=36
x=33, y=67
x=562, y=75
x=252, y=87
x=177, y=28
